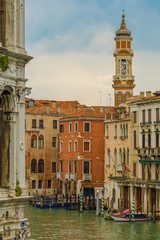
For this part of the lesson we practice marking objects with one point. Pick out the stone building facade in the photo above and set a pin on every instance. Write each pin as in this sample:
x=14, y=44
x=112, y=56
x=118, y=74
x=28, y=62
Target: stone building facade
x=13, y=58
x=117, y=156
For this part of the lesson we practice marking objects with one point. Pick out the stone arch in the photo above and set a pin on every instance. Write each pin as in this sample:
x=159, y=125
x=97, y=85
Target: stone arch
x=6, y=106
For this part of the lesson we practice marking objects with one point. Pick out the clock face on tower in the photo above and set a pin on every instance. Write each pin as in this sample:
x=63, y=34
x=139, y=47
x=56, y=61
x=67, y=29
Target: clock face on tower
x=123, y=66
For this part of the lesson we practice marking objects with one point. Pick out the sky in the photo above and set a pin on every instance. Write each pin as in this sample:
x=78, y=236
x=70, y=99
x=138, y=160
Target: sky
x=72, y=42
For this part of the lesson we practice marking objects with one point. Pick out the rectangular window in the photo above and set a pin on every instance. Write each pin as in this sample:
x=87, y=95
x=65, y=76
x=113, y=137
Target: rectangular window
x=86, y=127
x=69, y=146
x=149, y=171
x=76, y=127
x=40, y=184
x=134, y=169
x=75, y=166
x=54, y=142
x=134, y=117
x=34, y=123
x=41, y=123
x=149, y=116
x=86, y=167
x=61, y=146
x=49, y=183
x=33, y=184
x=69, y=166
x=86, y=146
x=61, y=166
x=53, y=167
x=75, y=146
x=61, y=128
x=135, y=139
x=157, y=172
x=143, y=171
x=143, y=116
x=157, y=114
x=54, y=124
x=70, y=127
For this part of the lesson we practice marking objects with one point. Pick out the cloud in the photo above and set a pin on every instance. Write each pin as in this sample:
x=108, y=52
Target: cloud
x=67, y=77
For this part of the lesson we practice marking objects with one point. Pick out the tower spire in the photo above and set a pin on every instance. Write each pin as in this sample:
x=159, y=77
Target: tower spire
x=123, y=24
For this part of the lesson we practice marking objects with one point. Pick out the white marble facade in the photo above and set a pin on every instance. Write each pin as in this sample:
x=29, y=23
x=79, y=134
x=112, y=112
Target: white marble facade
x=13, y=224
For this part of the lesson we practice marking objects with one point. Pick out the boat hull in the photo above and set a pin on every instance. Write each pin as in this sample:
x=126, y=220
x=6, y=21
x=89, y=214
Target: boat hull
x=125, y=219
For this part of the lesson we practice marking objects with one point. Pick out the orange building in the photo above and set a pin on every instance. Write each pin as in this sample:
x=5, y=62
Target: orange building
x=81, y=146
x=42, y=148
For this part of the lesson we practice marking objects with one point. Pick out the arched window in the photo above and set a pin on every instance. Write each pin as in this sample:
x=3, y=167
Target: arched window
x=127, y=155
x=124, y=156
x=115, y=156
x=41, y=166
x=108, y=157
x=134, y=139
x=33, y=141
x=143, y=138
x=126, y=130
x=157, y=137
x=41, y=142
x=120, y=156
x=34, y=166
x=149, y=138
x=107, y=132
x=115, y=131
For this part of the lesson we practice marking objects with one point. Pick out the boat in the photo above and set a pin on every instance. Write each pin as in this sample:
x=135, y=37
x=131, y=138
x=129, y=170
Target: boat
x=137, y=218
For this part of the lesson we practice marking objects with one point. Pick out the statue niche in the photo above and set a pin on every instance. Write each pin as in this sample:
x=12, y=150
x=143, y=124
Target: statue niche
x=5, y=111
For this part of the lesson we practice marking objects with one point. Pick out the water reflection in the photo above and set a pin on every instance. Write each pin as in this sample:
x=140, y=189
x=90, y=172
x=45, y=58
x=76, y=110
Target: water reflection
x=48, y=224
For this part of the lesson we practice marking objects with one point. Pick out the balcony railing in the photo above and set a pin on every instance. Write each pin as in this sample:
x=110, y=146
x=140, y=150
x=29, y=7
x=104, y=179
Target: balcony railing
x=73, y=176
x=59, y=175
x=118, y=168
x=147, y=151
x=67, y=175
x=145, y=123
x=116, y=116
x=87, y=177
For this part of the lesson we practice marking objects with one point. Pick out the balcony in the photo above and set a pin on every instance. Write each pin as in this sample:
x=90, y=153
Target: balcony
x=59, y=175
x=73, y=176
x=145, y=123
x=87, y=177
x=67, y=175
x=118, y=168
x=116, y=116
x=151, y=153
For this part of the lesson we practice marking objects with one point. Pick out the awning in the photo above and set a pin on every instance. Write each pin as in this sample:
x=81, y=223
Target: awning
x=149, y=161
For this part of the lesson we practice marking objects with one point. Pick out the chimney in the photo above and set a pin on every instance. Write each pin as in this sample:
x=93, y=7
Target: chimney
x=142, y=94
x=59, y=110
x=54, y=104
x=101, y=109
x=47, y=109
x=148, y=94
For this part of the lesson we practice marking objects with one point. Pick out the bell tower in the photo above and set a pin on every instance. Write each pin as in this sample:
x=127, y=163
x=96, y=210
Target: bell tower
x=123, y=80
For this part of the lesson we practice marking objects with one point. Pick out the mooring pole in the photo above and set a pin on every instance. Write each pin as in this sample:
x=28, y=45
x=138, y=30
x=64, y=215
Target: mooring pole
x=102, y=207
x=97, y=203
x=81, y=201
x=133, y=203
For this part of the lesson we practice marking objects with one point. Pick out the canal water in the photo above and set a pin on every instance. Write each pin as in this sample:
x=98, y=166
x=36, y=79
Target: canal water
x=56, y=224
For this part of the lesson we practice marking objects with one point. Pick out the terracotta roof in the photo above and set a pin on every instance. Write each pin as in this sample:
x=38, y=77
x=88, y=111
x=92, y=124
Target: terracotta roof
x=67, y=108
x=55, y=107
x=146, y=99
x=86, y=112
